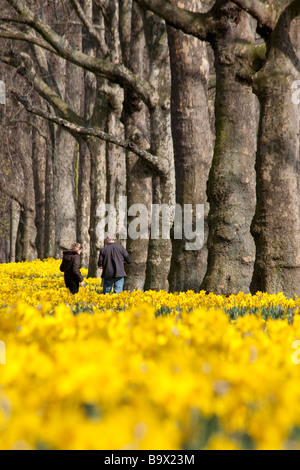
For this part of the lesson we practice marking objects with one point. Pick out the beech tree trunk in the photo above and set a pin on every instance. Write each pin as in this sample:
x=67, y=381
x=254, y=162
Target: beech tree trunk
x=276, y=225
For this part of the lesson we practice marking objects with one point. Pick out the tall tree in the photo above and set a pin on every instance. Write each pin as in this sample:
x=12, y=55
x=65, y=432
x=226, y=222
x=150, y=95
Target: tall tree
x=277, y=219
x=193, y=147
x=231, y=195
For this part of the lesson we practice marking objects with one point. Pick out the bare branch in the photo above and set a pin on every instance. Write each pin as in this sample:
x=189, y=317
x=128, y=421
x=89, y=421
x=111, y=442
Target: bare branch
x=10, y=194
x=29, y=123
x=159, y=164
x=9, y=33
x=266, y=13
x=200, y=25
x=114, y=72
x=24, y=65
x=90, y=27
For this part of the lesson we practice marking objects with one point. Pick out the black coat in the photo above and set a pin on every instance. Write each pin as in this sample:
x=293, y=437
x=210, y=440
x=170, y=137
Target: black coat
x=111, y=259
x=70, y=266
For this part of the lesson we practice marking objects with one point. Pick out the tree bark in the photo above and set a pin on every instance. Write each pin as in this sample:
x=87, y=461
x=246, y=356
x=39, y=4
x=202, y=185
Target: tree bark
x=14, y=223
x=84, y=176
x=70, y=84
x=64, y=191
x=276, y=225
x=49, y=247
x=163, y=188
x=39, y=149
x=116, y=156
x=193, y=147
x=231, y=185
x=139, y=181
x=84, y=201
x=98, y=184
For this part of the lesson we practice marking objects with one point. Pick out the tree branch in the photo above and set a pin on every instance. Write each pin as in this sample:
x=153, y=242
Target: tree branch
x=200, y=25
x=10, y=194
x=24, y=65
x=114, y=72
x=90, y=27
x=159, y=164
x=9, y=33
x=266, y=13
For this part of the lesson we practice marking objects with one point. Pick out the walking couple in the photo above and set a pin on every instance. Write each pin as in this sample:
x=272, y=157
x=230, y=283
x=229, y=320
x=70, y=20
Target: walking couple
x=111, y=262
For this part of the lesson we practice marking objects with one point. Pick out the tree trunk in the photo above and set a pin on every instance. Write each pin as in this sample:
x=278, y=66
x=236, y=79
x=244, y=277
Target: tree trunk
x=276, y=225
x=193, y=147
x=98, y=199
x=84, y=201
x=70, y=81
x=14, y=223
x=98, y=184
x=84, y=177
x=64, y=191
x=26, y=237
x=49, y=248
x=39, y=149
x=231, y=185
x=163, y=188
x=139, y=181
x=116, y=156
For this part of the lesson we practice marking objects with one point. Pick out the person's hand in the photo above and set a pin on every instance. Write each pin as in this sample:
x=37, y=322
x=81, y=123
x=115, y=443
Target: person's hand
x=81, y=284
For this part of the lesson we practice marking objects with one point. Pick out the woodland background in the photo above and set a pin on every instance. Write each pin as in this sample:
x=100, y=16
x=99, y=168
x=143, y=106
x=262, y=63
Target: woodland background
x=160, y=101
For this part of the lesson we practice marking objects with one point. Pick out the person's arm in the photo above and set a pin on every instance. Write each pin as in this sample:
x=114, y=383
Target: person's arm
x=126, y=256
x=76, y=268
x=100, y=260
x=62, y=267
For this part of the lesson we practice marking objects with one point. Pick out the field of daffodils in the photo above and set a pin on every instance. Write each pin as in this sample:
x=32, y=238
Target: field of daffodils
x=144, y=370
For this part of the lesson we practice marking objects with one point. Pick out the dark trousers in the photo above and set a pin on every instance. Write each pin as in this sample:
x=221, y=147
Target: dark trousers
x=72, y=285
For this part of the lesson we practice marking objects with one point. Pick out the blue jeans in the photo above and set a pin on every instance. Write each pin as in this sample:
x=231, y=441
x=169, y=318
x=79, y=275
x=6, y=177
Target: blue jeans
x=117, y=283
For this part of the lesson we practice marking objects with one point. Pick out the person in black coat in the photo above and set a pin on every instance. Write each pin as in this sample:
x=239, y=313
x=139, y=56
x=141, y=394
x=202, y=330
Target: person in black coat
x=111, y=260
x=70, y=266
